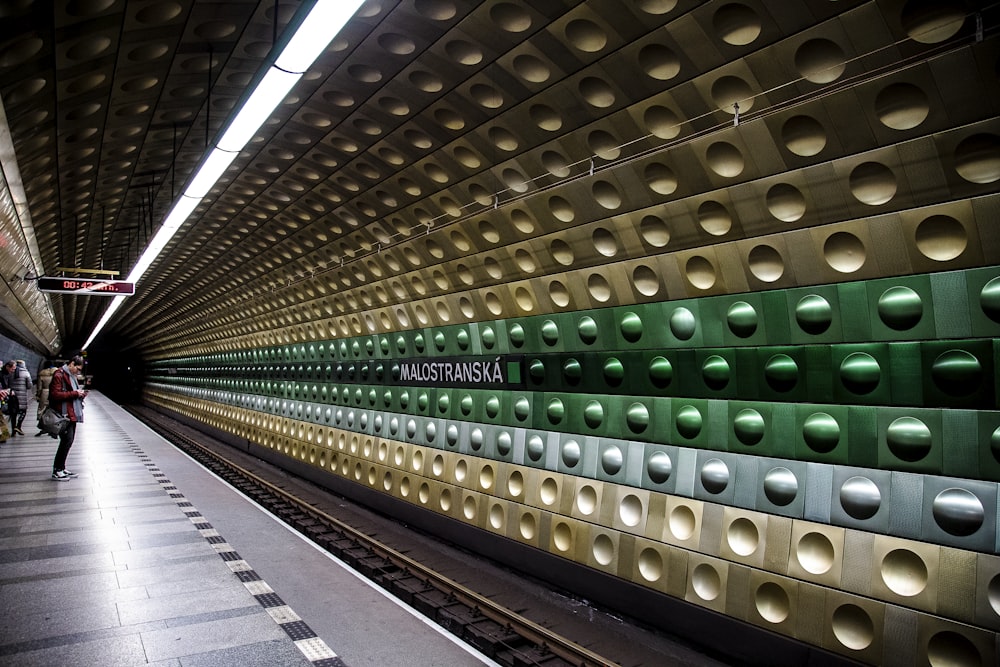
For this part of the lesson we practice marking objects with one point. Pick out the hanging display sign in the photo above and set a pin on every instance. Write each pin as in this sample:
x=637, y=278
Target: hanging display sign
x=82, y=286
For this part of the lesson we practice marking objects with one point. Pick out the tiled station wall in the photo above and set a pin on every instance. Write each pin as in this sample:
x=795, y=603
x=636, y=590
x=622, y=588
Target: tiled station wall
x=749, y=362
x=821, y=462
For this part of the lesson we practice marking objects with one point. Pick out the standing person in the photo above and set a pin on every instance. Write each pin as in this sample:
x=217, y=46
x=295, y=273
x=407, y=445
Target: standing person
x=42, y=392
x=6, y=382
x=66, y=397
x=21, y=385
x=4, y=431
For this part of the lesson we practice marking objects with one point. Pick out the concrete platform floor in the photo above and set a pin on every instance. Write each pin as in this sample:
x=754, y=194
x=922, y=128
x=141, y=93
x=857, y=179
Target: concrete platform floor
x=147, y=559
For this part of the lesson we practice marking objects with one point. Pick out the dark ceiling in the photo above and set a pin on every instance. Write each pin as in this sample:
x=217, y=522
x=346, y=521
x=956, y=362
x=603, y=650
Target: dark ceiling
x=111, y=105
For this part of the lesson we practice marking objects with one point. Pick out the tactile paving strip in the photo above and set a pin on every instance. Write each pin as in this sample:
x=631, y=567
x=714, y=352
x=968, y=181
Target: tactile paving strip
x=312, y=647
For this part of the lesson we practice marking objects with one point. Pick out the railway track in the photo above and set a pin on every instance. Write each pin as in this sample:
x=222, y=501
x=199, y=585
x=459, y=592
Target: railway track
x=498, y=632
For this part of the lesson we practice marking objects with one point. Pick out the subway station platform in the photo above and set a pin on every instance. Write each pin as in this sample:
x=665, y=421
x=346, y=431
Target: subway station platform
x=147, y=558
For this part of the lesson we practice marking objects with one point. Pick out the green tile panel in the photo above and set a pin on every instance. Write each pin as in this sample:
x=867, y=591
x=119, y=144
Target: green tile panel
x=959, y=374
x=747, y=479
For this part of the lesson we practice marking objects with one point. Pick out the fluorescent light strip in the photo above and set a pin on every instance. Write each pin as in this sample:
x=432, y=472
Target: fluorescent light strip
x=324, y=22
x=208, y=174
x=274, y=86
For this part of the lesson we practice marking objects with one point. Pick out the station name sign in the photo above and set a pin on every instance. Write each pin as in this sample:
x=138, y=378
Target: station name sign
x=98, y=286
x=500, y=372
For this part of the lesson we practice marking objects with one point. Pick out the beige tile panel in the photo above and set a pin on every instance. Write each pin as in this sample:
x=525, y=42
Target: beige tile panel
x=682, y=522
x=987, y=591
x=707, y=581
x=945, y=642
x=744, y=536
x=853, y=626
x=651, y=564
x=774, y=602
x=629, y=509
x=905, y=572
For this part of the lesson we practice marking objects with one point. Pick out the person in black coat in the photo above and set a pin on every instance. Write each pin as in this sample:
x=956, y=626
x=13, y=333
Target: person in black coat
x=20, y=384
x=6, y=380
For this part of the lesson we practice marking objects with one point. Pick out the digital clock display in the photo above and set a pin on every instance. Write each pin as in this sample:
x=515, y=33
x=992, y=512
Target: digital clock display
x=85, y=286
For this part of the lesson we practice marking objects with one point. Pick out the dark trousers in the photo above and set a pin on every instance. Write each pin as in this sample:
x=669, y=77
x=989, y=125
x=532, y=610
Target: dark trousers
x=65, y=442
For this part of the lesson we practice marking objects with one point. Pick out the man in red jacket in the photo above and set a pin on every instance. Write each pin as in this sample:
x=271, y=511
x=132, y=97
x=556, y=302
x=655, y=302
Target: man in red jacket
x=66, y=396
